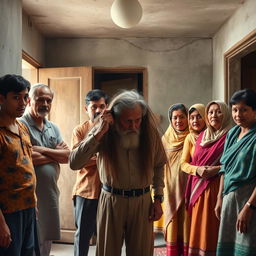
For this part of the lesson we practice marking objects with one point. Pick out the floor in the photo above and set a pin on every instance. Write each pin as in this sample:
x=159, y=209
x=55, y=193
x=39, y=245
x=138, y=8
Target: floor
x=67, y=249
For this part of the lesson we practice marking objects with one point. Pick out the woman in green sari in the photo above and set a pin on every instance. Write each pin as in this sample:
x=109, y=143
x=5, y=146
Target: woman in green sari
x=236, y=204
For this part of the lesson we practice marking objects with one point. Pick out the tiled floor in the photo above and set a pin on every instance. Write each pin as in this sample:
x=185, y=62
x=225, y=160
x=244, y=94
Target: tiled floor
x=68, y=249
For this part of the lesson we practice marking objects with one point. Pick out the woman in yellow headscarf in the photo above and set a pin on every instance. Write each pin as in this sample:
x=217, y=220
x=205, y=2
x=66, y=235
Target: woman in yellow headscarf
x=196, y=117
x=175, y=179
x=196, y=121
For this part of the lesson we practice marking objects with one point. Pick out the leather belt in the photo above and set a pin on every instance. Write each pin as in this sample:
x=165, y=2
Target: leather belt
x=126, y=193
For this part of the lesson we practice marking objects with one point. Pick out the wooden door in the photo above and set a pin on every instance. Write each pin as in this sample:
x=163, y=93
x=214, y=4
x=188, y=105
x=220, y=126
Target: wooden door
x=248, y=71
x=70, y=85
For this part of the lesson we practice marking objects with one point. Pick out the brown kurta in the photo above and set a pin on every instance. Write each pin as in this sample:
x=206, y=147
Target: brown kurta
x=123, y=217
x=129, y=173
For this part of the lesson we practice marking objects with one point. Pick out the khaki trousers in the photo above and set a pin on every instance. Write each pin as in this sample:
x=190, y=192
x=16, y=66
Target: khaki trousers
x=126, y=219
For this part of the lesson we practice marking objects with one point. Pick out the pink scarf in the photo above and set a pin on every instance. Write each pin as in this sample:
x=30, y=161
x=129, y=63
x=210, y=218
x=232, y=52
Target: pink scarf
x=210, y=155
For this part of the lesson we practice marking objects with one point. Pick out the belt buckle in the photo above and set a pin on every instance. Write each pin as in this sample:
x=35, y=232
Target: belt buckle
x=123, y=193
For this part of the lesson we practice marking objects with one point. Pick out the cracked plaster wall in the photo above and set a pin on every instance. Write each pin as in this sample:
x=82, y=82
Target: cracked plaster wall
x=10, y=37
x=179, y=69
x=235, y=29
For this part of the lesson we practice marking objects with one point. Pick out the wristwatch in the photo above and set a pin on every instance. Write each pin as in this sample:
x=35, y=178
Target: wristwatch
x=251, y=206
x=159, y=197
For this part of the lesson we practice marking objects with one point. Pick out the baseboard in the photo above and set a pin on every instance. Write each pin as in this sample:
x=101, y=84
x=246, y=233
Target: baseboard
x=67, y=236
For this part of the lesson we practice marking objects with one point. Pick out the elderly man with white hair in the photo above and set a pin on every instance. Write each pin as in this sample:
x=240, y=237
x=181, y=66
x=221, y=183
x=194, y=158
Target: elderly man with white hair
x=130, y=159
x=48, y=151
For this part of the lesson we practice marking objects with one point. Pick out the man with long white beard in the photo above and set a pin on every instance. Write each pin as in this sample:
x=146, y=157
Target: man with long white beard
x=130, y=159
x=48, y=151
x=129, y=139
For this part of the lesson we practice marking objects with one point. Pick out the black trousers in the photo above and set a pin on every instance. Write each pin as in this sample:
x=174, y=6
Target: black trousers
x=22, y=228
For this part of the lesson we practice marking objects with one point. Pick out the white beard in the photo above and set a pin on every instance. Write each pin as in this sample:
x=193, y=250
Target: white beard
x=43, y=114
x=129, y=139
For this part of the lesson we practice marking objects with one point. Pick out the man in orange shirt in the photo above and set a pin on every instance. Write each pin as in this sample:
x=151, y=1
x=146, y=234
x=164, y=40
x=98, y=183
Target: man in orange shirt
x=87, y=188
x=17, y=177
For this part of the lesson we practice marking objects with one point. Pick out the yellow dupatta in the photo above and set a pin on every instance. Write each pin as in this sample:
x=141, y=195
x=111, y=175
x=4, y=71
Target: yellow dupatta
x=193, y=135
x=175, y=179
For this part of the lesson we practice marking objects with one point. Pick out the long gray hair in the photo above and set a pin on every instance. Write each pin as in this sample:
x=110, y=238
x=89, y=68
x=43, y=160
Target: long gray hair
x=150, y=139
x=127, y=100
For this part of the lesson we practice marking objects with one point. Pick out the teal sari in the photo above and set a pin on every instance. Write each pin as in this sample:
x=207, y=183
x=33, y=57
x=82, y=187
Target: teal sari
x=239, y=159
x=239, y=169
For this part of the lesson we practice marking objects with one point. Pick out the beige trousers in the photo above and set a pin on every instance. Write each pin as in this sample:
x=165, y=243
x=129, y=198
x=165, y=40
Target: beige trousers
x=122, y=219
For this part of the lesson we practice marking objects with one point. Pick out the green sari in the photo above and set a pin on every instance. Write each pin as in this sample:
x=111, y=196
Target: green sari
x=239, y=169
x=239, y=159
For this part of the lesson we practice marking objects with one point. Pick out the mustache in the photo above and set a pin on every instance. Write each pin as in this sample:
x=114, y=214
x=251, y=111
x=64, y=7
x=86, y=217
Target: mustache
x=44, y=109
x=132, y=132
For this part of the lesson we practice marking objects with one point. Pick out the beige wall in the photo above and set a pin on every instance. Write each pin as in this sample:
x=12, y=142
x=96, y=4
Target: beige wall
x=33, y=42
x=237, y=27
x=179, y=70
x=10, y=37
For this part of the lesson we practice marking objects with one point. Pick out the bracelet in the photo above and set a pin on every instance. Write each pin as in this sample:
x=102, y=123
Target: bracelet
x=251, y=206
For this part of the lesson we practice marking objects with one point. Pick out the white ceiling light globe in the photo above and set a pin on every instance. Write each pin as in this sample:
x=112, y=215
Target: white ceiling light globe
x=126, y=13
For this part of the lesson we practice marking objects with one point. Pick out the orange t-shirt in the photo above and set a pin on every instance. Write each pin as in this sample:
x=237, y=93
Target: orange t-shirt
x=87, y=182
x=17, y=176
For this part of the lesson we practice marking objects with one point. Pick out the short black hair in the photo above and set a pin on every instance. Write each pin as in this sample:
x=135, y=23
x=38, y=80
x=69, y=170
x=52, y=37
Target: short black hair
x=247, y=96
x=95, y=95
x=178, y=106
x=13, y=83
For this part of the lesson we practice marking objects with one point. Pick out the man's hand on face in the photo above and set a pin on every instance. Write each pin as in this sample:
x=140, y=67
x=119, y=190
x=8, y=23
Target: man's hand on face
x=105, y=120
x=96, y=114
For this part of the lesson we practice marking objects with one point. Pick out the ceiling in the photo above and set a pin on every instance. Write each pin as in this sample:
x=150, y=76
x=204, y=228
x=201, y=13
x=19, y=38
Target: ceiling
x=161, y=18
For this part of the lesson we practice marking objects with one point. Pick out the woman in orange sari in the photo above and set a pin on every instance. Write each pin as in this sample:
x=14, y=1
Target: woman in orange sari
x=202, y=188
x=175, y=180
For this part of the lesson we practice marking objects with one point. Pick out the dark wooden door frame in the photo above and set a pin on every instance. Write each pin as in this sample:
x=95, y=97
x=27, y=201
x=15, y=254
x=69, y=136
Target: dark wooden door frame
x=30, y=60
x=126, y=70
x=232, y=63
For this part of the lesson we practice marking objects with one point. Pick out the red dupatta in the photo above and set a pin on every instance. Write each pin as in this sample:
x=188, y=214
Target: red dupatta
x=210, y=155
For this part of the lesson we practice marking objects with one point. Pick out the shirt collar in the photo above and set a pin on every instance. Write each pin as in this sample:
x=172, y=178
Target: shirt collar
x=31, y=120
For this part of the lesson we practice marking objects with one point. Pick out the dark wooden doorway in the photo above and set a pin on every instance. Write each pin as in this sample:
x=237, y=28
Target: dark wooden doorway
x=112, y=80
x=248, y=71
x=240, y=65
